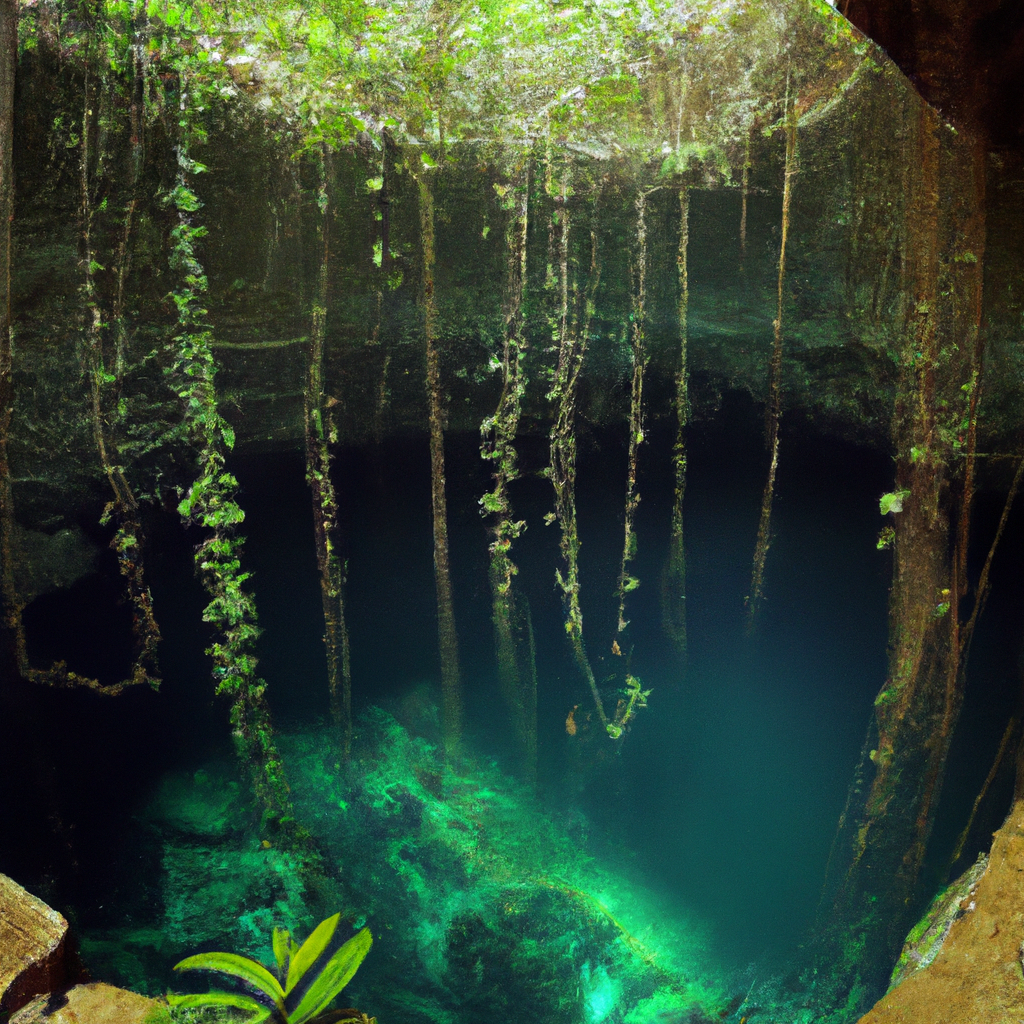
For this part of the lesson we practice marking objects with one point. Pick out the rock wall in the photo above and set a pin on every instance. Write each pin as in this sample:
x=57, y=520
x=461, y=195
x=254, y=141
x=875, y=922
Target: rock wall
x=844, y=301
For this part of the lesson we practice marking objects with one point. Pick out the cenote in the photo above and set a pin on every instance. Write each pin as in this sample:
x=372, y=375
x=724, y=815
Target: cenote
x=534, y=482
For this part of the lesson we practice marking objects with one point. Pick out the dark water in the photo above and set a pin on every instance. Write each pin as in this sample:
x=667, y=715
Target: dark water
x=727, y=791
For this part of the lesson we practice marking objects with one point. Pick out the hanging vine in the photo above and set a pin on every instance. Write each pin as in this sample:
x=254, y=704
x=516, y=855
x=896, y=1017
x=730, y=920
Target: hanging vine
x=773, y=409
x=11, y=637
x=573, y=331
x=744, y=197
x=673, y=598
x=123, y=510
x=512, y=635
x=572, y=346
x=319, y=433
x=627, y=583
x=387, y=279
x=448, y=641
x=211, y=500
x=633, y=697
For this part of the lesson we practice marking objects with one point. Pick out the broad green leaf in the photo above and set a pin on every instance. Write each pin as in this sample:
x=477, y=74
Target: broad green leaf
x=310, y=950
x=333, y=978
x=236, y=966
x=282, y=950
x=892, y=502
x=259, y=1012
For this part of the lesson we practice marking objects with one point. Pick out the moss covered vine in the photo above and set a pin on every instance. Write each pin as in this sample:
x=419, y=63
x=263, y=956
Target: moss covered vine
x=448, y=640
x=571, y=326
x=123, y=510
x=773, y=408
x=11, y=645
x=513, y=632
x=211, y=500
x=627, y=583
x=673, y=597
x=572, y=334
x=319, y=433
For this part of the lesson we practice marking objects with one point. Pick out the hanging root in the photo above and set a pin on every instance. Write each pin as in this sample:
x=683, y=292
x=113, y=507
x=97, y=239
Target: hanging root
x=1009, y=733
x=516, y=671
x=744, y=194
x=673, y=595
x=123, y=509
x=448, y=641
x=11, y=634
x=628, y=583
x=572, y=346
x=773, y=410
x=325, y=505
x=211, y=502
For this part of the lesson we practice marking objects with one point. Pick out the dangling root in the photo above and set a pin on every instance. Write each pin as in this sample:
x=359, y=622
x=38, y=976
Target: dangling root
x=448, y=641
x=773, y=410
x=673, y=594
x=498, y=432
x=627, y=583
x=325, y=504
x=573, y=338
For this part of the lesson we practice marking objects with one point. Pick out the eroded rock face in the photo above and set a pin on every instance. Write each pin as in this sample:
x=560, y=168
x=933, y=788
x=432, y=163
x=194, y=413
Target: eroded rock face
x=976, y=978
x=33, y=947
x=94, y=1004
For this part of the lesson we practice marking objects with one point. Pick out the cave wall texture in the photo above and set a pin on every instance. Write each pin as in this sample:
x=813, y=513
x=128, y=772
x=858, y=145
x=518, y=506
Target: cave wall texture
x=843, y=299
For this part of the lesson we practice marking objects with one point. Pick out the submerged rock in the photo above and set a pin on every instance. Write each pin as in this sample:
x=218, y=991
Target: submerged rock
x=33, y=947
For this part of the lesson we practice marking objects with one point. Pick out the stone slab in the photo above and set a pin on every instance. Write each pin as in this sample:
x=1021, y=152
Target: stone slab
x=95, y=1003
x=977, y=977
x=33, y=943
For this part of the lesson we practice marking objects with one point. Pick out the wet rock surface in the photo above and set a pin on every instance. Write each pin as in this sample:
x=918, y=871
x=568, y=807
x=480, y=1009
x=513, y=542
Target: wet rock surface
x=976, y=978
x=33, y=946
x=95, y=1003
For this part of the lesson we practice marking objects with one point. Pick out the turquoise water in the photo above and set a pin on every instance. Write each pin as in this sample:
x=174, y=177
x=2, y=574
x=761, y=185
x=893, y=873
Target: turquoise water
x=674, y=881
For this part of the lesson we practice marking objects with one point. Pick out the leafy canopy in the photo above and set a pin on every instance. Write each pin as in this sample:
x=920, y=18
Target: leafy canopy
x=655, y=80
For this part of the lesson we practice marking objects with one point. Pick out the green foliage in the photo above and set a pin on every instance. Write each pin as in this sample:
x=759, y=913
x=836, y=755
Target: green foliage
x=295, y=995
x=211, y=499
x=633, y=699
x=609, y=77
x=892, y=502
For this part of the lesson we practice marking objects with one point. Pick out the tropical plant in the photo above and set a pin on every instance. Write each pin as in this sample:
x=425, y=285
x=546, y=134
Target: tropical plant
x=298, y=994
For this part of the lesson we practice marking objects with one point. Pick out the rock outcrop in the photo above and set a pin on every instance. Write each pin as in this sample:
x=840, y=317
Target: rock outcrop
x=33, y=947
x=94, y=1004
x=976, y=978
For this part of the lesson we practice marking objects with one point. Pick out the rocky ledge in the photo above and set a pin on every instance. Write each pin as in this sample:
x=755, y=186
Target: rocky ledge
x=38, y=969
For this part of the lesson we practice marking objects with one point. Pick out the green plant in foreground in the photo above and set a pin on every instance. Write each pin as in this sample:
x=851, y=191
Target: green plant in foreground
x=298, y=994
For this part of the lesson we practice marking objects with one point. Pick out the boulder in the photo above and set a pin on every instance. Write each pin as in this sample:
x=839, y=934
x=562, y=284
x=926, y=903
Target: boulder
x=94, y=1004
x=976, y=977
x=33, y=947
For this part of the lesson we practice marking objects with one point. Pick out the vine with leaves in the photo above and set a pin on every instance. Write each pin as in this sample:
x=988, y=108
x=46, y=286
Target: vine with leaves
x=319, y=434
x=11, y=636
x=627, y=583
x=211, y=501
x=516, y=667
x=123, y=510
x=673, y=600
x=572, y=338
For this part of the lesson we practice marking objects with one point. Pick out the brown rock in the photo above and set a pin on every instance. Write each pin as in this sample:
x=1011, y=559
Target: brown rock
x=976, y=978
x=33, y=941
x=94, y=1004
